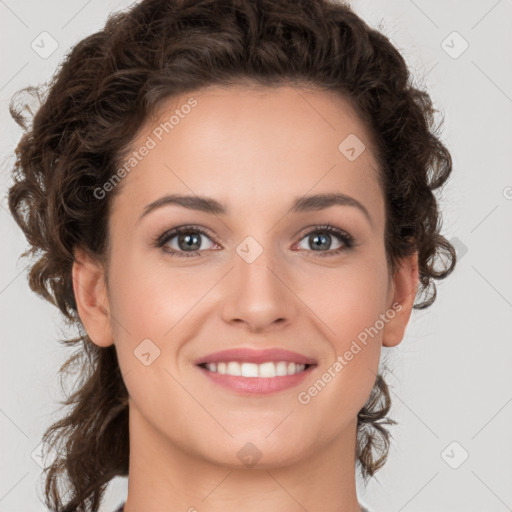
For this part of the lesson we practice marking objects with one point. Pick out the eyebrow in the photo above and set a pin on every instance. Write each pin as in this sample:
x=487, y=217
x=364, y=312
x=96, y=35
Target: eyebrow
x=301, y=204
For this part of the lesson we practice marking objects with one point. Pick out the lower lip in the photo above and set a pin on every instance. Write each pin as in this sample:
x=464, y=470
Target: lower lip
x=257, y=385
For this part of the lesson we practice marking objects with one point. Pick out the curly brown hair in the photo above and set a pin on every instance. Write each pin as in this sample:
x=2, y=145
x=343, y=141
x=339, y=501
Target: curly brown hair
x=90, y=112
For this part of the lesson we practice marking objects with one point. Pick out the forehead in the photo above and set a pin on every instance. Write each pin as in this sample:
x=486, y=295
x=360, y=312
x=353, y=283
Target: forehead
x=252, y=146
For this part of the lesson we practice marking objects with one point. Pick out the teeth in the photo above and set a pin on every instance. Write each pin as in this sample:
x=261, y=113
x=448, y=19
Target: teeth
x=265, y=370
x=234, y=369
x=245, y=369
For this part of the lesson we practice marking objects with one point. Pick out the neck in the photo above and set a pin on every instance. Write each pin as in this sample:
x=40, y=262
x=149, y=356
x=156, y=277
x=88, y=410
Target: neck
x=164, y=477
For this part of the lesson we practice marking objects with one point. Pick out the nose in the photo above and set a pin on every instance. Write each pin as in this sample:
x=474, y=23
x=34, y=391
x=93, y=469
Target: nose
x=259, y=294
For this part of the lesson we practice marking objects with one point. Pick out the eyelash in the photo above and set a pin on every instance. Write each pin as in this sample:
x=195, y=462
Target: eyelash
x=347, y=239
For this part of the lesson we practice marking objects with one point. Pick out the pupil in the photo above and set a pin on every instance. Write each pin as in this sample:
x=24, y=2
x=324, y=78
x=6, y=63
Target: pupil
x=324, y=241
x=190, y=241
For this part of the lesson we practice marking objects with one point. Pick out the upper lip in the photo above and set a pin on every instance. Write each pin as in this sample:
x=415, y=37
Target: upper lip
x=248, y=355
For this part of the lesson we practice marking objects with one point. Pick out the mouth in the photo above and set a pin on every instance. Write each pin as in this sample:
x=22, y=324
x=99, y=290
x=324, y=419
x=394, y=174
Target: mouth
x=248, y=371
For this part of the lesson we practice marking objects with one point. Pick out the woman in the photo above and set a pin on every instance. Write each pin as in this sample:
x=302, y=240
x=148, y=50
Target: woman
x=234, y=203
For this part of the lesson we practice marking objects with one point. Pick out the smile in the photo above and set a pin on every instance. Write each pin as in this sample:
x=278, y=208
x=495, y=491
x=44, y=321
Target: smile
x=251, y=379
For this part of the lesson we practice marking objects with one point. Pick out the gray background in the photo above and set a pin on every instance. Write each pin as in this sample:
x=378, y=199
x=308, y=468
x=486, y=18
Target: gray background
x=451, y=377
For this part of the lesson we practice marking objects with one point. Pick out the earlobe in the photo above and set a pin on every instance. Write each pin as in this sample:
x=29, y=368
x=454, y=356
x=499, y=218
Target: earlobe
x=405, y=286
x=91, y=298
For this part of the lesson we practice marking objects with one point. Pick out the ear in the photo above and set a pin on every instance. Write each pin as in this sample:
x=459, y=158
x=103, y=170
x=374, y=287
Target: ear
x=91, y=298
x=403, y=290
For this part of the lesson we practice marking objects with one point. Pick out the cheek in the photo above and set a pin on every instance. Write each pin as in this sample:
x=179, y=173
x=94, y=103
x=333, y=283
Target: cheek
x=148, y=299
x=350, y=304
x=349, y=299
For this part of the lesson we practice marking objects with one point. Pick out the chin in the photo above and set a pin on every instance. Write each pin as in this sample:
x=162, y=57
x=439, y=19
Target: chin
x=259, y=451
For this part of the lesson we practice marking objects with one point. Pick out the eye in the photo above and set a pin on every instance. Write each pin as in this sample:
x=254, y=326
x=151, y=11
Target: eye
x=188, y=241
x=320, y=238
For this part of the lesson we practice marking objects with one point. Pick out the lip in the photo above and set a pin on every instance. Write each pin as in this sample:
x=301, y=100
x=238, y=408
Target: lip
x=248, y=355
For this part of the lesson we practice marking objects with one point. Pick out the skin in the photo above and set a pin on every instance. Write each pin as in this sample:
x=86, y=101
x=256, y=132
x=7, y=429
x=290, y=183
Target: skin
x=254, y=150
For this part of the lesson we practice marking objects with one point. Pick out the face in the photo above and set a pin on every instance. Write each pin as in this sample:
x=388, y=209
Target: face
x=256, y=271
